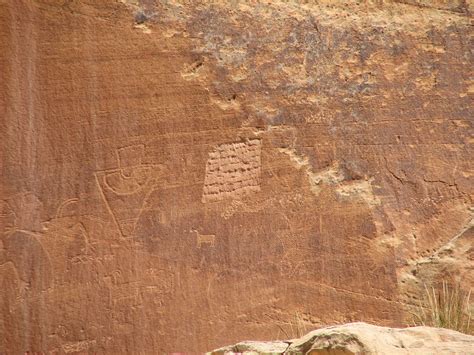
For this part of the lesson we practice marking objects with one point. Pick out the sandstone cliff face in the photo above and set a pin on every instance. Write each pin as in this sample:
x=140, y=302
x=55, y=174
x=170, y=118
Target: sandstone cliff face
x=182, y=175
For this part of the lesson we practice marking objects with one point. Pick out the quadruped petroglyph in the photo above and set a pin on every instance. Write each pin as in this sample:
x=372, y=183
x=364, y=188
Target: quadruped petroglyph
x=233, y=170
x=204, y=239
x=126, y=188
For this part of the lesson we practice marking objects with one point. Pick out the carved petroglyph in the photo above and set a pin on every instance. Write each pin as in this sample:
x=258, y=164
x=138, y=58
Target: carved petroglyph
x=68, y=240
x=66, y=206
x=22, y=243
x=31, y=260
x=65, y=235
x=10, y=280
x=233, y=170
x=204, y=239
x=7, y=218
x=126, y=188
x=40, y=251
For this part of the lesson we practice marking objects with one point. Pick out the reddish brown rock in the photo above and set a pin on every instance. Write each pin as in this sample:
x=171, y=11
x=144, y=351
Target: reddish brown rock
x=178, y=176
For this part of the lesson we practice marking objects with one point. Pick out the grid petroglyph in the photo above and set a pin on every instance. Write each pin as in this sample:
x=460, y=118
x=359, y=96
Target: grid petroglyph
x=233, y=170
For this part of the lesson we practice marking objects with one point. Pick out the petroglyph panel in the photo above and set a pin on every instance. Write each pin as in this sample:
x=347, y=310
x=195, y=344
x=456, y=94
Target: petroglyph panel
x=233, y=170
x=324, y=184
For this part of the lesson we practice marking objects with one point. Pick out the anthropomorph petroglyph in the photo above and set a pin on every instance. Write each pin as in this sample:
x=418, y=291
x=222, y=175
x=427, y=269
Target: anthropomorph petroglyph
x=233, y=170
x=7, y=218
x=23, y=247
x=65, y=234
x=126, y=188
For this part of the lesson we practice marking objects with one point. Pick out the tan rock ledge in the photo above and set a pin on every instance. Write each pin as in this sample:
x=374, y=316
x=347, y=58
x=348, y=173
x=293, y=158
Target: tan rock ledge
x=363, y=338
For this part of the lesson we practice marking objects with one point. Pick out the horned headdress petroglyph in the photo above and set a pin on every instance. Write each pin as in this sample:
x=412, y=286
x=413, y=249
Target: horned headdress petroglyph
x=125, y=189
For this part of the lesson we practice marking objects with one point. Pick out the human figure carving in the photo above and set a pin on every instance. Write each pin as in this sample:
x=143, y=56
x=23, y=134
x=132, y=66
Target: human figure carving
x=65, y=235
x=23, y=248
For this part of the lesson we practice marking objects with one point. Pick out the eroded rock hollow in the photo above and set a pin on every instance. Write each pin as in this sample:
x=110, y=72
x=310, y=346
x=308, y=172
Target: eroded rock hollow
x=178, y=176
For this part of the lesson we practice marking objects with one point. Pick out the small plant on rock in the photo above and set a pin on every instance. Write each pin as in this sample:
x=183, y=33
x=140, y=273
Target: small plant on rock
x=297, y=327
x=445, y=307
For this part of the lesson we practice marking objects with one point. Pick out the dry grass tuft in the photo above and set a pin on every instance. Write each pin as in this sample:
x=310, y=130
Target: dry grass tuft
x=297, y=327
x=445, y=307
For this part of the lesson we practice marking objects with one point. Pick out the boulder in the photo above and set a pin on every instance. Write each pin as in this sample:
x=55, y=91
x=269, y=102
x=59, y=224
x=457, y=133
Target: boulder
x=363, y=338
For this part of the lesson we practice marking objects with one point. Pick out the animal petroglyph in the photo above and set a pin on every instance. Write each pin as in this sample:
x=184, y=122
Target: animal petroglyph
x=233, y=170
x=126, y=188
x=204, y=239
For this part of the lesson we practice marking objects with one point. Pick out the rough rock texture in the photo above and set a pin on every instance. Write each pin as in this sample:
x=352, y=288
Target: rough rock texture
x=176, y=176
x=362, y=338
x=259, y=347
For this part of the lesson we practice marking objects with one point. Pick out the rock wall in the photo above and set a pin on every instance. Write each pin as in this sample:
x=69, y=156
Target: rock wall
x=179, y=175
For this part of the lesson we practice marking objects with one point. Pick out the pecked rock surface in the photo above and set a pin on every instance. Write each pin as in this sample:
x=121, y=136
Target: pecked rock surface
x=363, y=338
x=178, y=175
